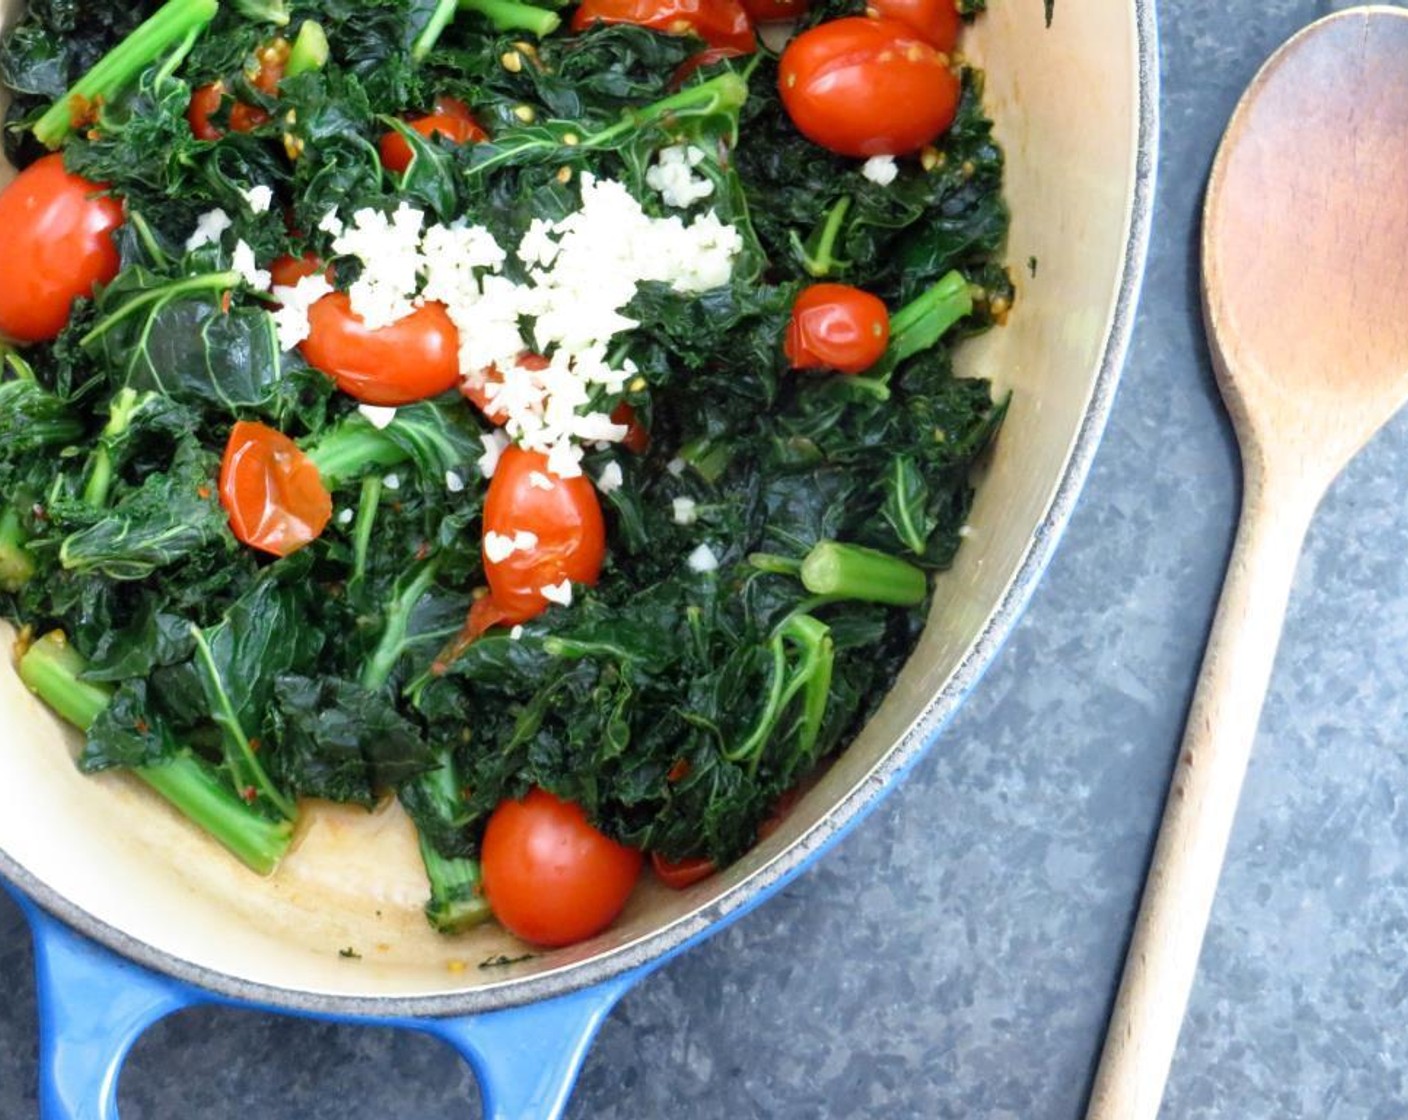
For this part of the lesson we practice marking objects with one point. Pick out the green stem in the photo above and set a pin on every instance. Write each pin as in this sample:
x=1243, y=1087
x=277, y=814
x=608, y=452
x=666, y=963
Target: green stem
x=725, y=93
x=17, y=566
x=124, y=406
x=205, y=282
x=456, y=901
x=148, y=239
x=264, y=11
x=204, y=797
x=818, y=254
x=921, y=322
x=777, y=565
x=440, y=19
x=812, y=677
x=350, y=448
x=366, y=519
x=378, y=668
x=510, y=15
x=170, y=25
x=310, y=50
x=18, y=367
x=52, y=669
x=244, y=764
x=849, y=571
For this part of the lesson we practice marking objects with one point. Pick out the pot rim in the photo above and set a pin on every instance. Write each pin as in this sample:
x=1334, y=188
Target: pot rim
x=651, y=951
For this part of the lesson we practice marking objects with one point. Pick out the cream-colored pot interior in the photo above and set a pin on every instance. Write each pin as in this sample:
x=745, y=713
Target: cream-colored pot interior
x=109, y=855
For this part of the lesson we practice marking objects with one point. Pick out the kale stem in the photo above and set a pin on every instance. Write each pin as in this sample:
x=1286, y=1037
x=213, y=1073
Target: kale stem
x=777, y=565
x=178, y=56
x=440, y=19
x=171, y=24
x=17, y=366
x=849, y=571
x=264, y=11
x=510, y=15
x=377, y=670
x=205, y=282
x=923, y=320
x=818, y=255
x=16, y=563
x=456, y=901
x=201, y=794
x=148, y=239
x=52, y=669
x=726, y=92
x=124, y=406
x=310, y=50
x=350, y=448
x=100, y=464
x=366, y=519
x=244, y=764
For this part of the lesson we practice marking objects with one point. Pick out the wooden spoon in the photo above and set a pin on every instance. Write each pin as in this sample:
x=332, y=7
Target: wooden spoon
x=1305, y=286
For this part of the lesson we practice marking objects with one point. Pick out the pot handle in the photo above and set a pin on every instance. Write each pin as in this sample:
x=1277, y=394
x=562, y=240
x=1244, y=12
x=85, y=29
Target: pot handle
x=526, y=1058
x=92, y=1007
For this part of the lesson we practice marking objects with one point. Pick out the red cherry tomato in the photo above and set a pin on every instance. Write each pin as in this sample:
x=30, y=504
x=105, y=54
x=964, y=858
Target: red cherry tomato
x=549, y=876
x=698, y=61
x=720, y=23
x=937, y=22
x=451, y=119
x=867, y=87
x=564, y=518
x=205, y=101
x=474, y=388
x=56, y=242
x=636, y=439
x=287, y=271
x=766, y=11
x=836, y=326
x=272, y=491
x=412, y=359
x=677, y=875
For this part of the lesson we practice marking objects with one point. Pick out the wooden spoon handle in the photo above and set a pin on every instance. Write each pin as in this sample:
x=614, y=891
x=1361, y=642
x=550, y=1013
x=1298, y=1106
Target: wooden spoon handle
x=1202, y=801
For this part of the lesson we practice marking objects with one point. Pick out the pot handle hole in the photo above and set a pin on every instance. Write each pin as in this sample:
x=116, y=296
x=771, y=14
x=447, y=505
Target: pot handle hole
x=92, y=1007
x=526, y=1058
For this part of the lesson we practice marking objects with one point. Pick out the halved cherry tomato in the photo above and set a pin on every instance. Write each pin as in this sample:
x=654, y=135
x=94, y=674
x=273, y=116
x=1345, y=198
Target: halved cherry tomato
x=636, y=439
x=474, y=388
x=205, y=103
x=766, y=11
x=937, y=22
x=272, y=491
x=205, y=100
x=702, y=59
x=286, y=271
x=568, y=533
x=720, y=23
x=451, y=119
x=677, y=875
x=836, y=326
x=549, y=876
x=56, y=242
x=867, y=87
x=412, y=359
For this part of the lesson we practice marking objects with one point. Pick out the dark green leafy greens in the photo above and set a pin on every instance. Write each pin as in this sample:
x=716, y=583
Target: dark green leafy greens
x=715, y=664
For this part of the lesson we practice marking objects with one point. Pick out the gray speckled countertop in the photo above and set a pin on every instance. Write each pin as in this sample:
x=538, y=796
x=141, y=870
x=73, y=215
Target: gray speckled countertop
x=957, y=955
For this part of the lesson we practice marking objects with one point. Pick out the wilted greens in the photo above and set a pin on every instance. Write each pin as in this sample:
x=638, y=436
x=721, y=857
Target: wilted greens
x=676, y=702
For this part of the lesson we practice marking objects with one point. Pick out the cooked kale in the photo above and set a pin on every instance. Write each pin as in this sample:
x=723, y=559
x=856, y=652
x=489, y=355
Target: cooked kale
x=675, y=705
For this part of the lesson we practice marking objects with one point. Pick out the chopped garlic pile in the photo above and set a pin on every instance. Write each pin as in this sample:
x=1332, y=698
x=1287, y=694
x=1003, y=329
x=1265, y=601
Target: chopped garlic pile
x=582, y=273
